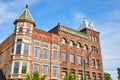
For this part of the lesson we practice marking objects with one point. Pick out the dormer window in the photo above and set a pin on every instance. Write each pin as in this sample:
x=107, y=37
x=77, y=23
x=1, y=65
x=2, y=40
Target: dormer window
x=63, y=41
x=71, y=43
x=20, y=29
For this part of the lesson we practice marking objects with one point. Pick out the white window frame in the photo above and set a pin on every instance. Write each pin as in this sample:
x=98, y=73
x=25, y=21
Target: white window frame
x=45, y=54
x=37, y=43
x=35, y=68
x=63, y=54
x=26, y=67
x=72, y=58
x=55, y=55
x=15, y=66
x=38, y=52
x=46, y=69
x=53, y=69
x=46, y=45
x=27, y=50
x=79, y=61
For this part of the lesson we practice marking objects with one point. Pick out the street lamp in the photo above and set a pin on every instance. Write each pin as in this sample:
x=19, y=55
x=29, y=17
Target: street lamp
x=85, y=62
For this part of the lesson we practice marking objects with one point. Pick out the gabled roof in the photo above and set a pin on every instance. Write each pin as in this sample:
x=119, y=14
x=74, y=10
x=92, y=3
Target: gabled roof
x=26, y=14
x=86, y=24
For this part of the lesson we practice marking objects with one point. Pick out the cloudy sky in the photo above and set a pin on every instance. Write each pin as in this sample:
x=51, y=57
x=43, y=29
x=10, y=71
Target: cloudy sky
x=105, y=14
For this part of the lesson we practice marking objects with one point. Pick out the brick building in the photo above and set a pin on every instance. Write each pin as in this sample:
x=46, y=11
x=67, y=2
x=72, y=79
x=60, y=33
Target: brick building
x=53, y=53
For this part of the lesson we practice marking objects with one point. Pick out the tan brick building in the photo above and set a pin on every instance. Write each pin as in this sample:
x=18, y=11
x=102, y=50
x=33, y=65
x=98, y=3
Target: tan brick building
x=53, y=53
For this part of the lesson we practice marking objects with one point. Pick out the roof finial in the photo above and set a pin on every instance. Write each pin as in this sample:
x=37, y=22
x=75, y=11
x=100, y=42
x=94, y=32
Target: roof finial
x=26, y=6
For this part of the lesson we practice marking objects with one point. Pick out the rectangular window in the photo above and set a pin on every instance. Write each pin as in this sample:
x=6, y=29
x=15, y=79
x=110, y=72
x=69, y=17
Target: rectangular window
x=71, y=58
x=45, y=69
x=55, y=55
x=16, y=67
x=79, y=59
x=19, y=40
x=63, y=56
x=24, y=67
x=55, y=47
x=55, y=71
x=26, y=49
x=18, y=49
x=35, y=67
x=45, y=54
x=36, y=52
x=37, y=43
x=46, y=45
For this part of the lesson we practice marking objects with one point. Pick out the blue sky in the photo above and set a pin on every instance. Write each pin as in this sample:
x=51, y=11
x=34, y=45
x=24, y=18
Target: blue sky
x=105, y=14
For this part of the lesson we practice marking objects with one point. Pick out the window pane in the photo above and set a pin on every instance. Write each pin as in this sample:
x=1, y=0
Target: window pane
x=36, y=43
x=72, y=58
x=45, y=54
x=46, y=45
x=18, y=49
x=26, y=49
x=35, y=67
x=54, y=55
x=63, y=56
x=16, y=67
x=79, y=59
x=55, y=47
x=19, y=40
x=45, y=69
x=36, y=52
x=24, y=67
x=54, y=72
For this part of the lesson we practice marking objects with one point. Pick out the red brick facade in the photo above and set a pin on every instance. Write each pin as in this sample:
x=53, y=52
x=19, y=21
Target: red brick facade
x=59, y=50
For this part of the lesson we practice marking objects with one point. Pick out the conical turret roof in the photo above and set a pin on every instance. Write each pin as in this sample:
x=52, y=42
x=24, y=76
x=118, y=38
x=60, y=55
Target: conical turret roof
x=25, y=16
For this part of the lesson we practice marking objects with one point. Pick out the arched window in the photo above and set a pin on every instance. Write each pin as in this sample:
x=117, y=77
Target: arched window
x=93, y=62
x=99, y=78
x=78, y=45
x=71, y=43
x=85, y=47
x=20, y=29
x=63, y=41
x=94, y=77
